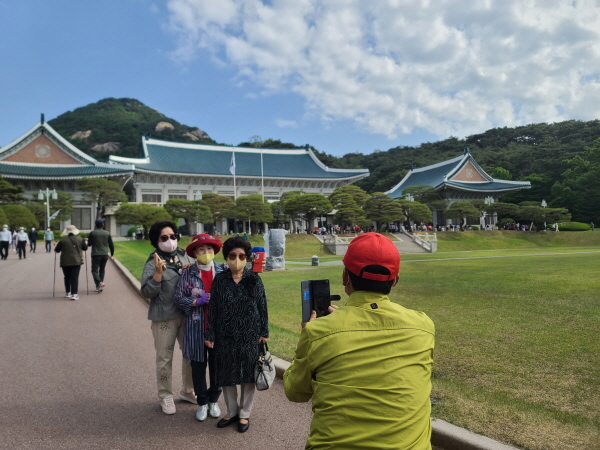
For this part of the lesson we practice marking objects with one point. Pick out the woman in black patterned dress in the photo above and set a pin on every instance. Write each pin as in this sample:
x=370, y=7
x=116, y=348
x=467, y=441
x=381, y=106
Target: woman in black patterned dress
x=237, y=322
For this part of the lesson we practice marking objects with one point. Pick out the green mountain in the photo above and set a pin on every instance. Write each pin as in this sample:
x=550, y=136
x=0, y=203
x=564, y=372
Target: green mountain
x=536, y=153
x=115, y=127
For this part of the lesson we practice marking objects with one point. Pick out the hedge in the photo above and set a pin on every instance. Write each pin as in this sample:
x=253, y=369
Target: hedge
x=573, y=226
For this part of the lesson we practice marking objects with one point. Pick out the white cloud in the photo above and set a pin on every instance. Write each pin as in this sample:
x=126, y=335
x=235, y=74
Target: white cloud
x=451, y=67
x=281, y=123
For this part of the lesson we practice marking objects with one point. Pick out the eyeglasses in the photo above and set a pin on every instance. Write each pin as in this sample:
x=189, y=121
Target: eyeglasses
x=232, y=256
x=165, y=238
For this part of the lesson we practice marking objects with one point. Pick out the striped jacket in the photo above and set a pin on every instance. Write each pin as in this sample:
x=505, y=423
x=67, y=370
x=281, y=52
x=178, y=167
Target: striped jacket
x=191, y=287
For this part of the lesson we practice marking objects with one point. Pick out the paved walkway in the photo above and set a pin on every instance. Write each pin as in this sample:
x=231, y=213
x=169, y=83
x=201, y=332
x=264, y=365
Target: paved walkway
x=80, y=374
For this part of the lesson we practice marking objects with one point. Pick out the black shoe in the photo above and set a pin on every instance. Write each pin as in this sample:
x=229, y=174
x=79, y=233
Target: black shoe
x=226, y=422
x=243, y=427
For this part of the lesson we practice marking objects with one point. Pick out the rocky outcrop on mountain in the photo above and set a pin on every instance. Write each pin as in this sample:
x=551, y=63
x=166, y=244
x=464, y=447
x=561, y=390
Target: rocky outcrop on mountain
x=107, y=147
x=163, y=125
x=196, y=135
x=81, y=134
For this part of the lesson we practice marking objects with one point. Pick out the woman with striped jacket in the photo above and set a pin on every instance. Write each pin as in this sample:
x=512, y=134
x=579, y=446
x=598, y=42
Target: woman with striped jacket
x=192, y=296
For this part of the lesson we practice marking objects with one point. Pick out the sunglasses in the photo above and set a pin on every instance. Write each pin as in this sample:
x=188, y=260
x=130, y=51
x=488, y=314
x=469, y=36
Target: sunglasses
x=165, y=238
x=232, y=256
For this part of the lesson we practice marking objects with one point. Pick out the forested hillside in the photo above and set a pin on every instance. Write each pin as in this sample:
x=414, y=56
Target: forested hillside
x=115, y=127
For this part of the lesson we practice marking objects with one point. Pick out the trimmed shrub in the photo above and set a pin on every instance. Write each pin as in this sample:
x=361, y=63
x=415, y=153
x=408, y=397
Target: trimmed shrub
x=573, y=226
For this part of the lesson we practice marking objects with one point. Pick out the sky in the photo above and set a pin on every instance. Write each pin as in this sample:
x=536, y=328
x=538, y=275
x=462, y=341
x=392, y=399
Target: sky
x=341, y=75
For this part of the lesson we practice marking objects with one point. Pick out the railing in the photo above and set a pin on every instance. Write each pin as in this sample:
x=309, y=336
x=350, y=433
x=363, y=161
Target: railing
x=424, y=240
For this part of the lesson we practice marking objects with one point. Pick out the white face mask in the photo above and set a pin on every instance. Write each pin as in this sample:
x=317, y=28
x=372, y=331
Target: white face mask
x=168, y=246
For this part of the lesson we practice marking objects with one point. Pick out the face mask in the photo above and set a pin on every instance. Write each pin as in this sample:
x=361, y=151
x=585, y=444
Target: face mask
x=236, y=265
x=206, y=258
x=169, y=246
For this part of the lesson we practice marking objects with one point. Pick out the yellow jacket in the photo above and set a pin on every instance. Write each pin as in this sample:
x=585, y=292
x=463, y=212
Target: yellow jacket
x=367, y=368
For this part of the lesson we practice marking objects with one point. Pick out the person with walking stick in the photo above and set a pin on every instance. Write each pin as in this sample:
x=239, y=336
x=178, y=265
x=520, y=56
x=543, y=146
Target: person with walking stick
x=71, y=248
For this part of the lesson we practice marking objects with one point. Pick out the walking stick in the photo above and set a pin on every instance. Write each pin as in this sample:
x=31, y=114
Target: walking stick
x=54, y=281
x=87, y=286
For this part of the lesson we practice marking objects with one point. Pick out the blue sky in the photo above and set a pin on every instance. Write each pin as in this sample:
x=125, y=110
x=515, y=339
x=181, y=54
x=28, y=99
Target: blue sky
x=343, y=76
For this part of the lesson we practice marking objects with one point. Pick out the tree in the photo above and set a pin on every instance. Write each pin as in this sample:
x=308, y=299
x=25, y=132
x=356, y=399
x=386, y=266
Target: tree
x=311, y=205
x=382, y=208
x=141, y=213
x=285, y=197
x=422, y=193
x=348, y=212
x=462, y=210
x=358, y=195
x=252, y=208
x=278, y=213
x=503, y=210
x=189, y=211
x=9, y=193
x=501, y=173
x=3, y=218
x=538, y=215
x=220, y=206
x=415, y=211
x=19, y=216
x=102, y=192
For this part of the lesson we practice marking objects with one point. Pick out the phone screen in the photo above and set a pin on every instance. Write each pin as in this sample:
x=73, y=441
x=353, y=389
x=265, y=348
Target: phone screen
x=321, y=296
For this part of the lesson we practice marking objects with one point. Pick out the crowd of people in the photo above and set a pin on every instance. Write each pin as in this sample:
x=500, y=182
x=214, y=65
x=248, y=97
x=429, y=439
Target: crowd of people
x=17, y=240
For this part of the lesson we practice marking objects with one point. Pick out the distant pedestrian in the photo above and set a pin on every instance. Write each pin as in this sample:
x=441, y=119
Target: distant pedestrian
x=5, y=238
x=71, y=248
x=139, y=233
x=101, y=242
x=592, y=225
x=21, y=242
x=33, y=235
x=48, y=238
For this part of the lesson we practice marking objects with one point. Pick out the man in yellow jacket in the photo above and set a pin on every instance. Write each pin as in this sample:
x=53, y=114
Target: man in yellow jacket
x=367, y=366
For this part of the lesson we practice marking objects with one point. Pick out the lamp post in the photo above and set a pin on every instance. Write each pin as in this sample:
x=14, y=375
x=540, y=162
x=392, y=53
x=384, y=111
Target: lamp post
x=544, y=204
x=488, y=201
x=47, y=194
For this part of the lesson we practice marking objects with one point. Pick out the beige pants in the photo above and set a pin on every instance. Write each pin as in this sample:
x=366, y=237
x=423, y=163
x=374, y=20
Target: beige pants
x=165, y=333
x=244, y=406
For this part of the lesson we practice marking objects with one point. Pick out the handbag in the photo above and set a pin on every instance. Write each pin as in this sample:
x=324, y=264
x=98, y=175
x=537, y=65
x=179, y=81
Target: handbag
x=264, y=372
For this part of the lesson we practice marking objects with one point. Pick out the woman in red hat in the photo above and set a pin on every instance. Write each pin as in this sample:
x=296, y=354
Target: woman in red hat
x=192, y=296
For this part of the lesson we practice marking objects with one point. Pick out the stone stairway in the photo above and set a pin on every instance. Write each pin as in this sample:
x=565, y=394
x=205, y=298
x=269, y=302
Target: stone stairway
x=406, y=245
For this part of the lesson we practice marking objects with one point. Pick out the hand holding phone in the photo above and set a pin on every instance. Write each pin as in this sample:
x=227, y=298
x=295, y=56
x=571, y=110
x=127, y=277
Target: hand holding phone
x=316, y=297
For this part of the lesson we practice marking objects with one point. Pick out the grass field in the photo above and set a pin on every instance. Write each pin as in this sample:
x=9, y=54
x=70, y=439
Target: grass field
x=517, y=349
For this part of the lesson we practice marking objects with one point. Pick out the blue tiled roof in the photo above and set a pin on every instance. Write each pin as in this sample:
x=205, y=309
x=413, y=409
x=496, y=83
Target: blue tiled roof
x=435, y=175
x=170, y=157
x=51, y=171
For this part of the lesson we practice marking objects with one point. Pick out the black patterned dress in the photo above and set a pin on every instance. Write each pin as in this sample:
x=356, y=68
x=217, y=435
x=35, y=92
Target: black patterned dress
x=237, y=317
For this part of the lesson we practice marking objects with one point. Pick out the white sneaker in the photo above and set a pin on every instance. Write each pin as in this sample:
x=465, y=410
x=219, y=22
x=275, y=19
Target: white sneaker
x=68, y=295
x=214, y=410
x=190, y=398
x=201, y=413
x=74, y=297
x=167, y=405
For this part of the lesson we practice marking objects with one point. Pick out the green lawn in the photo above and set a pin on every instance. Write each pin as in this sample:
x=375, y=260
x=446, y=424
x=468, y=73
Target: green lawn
x=517, y=349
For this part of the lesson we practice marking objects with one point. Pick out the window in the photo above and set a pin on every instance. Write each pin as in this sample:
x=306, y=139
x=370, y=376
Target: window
x=151, y=198
x=82, y=218
x=177, y=196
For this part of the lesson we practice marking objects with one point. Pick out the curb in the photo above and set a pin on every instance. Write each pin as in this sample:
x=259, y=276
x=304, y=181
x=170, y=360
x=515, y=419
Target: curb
x=443, y=434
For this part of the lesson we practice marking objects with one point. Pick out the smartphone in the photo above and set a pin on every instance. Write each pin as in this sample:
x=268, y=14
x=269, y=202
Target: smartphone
x=315, y=296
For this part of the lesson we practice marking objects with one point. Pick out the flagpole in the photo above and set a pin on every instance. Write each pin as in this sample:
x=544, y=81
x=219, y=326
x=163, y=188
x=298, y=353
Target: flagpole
x=262, y=175
x=234, y=188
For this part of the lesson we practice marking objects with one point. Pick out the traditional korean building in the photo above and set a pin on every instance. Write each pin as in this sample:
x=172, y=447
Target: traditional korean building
x=457, y=179
x=42, y=159
x=170, y=170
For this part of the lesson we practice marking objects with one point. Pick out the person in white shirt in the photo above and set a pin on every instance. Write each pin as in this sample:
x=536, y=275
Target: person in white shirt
x=5, y=238
x=22, y=241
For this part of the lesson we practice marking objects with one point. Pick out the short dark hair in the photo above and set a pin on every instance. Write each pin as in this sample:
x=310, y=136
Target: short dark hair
x=156, y=229
x=363, y=284
x=236, y=242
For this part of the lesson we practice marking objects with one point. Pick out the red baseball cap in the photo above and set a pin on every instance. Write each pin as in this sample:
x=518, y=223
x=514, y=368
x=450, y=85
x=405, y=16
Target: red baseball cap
x=372, y=249
x=203, y=239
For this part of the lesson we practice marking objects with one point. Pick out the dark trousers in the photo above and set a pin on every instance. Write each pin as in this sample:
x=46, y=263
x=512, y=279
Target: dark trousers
x=48, y=246
x=98, y=266
x=22, y=249
x=4, y=249
x=71, y=278
x=204, y=395
x=32, y=245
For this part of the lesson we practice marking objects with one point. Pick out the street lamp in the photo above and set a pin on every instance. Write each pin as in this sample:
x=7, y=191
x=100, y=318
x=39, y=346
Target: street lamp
x=488, y=201
x=47, y=194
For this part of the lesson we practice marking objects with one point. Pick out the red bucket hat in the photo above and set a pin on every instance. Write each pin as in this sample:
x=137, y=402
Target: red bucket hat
x=203, y=239
x=372, y=249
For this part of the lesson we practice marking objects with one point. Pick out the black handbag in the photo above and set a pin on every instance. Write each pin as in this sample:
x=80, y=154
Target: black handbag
x=264, y=372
